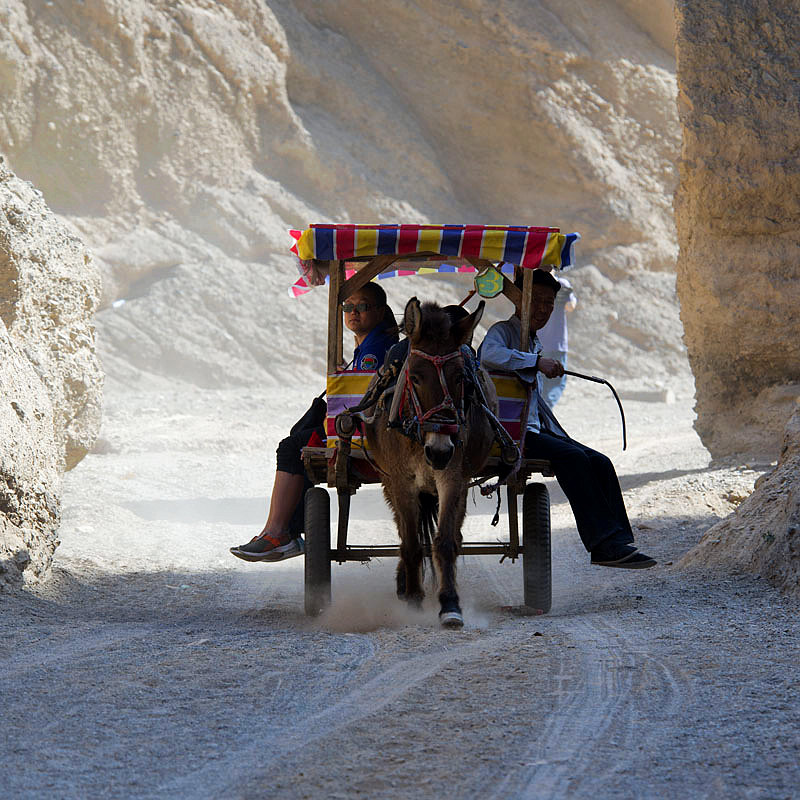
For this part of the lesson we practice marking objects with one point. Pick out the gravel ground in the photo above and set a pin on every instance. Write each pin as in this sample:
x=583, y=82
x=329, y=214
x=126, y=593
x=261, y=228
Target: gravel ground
x=153, y=664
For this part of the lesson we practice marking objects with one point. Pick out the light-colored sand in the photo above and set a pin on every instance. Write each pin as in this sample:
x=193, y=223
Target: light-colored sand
x=154, y=664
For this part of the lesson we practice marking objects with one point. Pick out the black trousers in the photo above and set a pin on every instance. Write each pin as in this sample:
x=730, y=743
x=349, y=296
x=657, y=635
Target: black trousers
x=591, y=485
x=289, y=459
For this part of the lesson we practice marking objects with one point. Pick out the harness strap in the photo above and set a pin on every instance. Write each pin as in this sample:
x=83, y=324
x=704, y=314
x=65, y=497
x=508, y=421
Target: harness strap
x=447, y=403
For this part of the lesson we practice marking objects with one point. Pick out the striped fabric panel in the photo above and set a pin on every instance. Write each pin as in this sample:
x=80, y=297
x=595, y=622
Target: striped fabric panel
x=510, y=409
x=527, y=247
x=511, y=396
x=514, y=431
x=345, y=389
x=508, y=386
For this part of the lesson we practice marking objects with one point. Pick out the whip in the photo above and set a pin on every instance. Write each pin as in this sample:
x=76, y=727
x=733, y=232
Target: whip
x=613, y=391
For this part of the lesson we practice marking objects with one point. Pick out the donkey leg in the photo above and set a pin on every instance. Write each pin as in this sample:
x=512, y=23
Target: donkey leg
x=446, y=546
x=411, y=558
x=400, y=578
x=409, y=567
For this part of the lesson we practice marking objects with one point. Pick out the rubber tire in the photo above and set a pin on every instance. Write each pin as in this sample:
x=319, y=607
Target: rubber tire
x=318, y=551
x=536, y=563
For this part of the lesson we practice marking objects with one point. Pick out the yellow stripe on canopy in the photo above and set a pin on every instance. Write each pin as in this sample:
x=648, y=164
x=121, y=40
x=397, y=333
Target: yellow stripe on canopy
x=552, y=251
x=429, y=240
x=305, y=245
x=366, y=241
x=493, y=245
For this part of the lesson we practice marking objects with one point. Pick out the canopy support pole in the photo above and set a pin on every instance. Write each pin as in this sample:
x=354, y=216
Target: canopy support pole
x=366, y=274
x=335, y=322
x=525, y=310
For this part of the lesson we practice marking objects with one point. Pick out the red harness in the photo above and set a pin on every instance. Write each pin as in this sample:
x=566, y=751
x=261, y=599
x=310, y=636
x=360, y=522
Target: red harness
x=425, y=420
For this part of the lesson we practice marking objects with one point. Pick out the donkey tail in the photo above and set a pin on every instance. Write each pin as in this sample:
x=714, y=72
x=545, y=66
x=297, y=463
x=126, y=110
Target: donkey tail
x=428, y=517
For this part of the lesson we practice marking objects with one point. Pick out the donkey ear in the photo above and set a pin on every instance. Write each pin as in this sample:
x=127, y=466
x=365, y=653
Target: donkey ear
x=462, y=331
x=412, y=317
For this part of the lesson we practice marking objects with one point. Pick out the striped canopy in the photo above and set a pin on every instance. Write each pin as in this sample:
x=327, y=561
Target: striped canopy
x=530, y=247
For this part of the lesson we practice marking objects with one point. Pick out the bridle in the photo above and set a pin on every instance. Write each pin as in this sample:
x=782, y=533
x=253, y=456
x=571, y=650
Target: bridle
x=425, y=421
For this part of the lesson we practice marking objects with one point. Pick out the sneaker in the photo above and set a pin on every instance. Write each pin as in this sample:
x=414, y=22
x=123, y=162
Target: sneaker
x=266, y=547
x=624, y=556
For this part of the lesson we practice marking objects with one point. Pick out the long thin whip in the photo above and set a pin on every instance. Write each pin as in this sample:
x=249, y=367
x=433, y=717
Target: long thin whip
x=613, y=391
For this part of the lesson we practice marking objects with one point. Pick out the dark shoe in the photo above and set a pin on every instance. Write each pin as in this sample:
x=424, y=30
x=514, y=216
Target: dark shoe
x=266, y=547
x=625, y=556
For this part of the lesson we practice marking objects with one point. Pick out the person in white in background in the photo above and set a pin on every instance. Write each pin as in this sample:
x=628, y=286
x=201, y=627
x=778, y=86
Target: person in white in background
x=555, y=343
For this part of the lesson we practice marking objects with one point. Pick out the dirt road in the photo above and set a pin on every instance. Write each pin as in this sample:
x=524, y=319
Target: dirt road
x=155, y=665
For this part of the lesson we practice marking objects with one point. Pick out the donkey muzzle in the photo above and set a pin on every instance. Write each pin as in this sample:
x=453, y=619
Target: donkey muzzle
x=438, y=450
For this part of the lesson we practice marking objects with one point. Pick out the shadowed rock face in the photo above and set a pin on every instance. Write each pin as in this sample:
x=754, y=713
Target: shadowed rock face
x=763, y=535
x=50, y=378
x=738, y=218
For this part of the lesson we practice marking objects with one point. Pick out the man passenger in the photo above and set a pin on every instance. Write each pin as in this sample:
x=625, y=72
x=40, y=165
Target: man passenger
x=587, y=477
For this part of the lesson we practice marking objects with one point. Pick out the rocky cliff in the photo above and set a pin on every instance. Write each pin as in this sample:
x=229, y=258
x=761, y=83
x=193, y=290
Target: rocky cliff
x=50, y=378
x=763, y=535
x=738, y=218
x=183, y=139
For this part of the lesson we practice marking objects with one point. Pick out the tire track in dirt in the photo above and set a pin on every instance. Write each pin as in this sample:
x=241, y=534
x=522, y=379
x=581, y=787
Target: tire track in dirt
x=603, y=722
x=610, y=683
x=388, y=686
x=79, y=646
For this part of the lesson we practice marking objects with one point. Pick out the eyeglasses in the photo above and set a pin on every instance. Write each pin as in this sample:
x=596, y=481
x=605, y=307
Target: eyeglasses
x=348, y=307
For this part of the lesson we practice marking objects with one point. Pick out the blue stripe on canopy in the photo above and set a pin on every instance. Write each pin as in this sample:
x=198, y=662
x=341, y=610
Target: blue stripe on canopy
x=568, y=251
x=451, y=240
x=323, y=243
x=387, y=241
x=515, y=245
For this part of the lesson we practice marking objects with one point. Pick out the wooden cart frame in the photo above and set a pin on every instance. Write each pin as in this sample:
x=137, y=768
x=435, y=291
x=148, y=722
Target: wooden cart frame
x=346, y=469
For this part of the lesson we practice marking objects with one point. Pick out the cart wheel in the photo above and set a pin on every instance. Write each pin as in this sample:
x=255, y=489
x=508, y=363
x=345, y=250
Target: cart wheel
x=318, y=550
x=536, y=570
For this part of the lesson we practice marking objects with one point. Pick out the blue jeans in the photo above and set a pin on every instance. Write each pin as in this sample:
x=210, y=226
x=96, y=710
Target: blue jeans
x=553, y=387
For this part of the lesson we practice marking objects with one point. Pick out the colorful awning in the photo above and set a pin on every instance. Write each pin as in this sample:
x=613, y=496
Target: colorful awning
x=530, y=247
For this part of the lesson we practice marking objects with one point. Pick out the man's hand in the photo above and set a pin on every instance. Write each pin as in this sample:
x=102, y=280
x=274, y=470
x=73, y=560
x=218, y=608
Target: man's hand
x=550, y=367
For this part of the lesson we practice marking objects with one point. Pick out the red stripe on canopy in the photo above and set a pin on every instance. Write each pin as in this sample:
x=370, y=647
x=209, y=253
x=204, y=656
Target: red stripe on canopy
x=407, y=241
x=345, y=241
x=471, y=241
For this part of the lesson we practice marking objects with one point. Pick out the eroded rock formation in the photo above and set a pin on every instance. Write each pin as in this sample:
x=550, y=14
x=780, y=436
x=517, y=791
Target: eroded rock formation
x=183, y=139
x=763, y=535
x=738, y=218
x=50, y=379
x=30, y=481
x=49, y=291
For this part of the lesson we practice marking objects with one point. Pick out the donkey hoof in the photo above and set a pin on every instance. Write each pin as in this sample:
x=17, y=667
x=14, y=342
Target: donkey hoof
x=415, y=602
x=401, y=583
x=451, y=619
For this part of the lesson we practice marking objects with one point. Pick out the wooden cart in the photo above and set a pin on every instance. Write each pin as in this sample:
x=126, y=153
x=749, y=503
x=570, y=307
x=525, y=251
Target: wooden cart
x=345, y=468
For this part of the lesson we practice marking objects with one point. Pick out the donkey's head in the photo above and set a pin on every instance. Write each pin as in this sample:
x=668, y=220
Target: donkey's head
x=435, y=376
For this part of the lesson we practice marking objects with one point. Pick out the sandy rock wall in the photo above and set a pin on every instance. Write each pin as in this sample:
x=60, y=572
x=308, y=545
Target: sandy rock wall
x=49, y=291
x=763, y=535
x=184, y=138
x=30, y=481
x=738, y=218
x=50, y=378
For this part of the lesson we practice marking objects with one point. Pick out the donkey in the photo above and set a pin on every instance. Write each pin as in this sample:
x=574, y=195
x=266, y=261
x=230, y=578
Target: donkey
x=428, y=443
